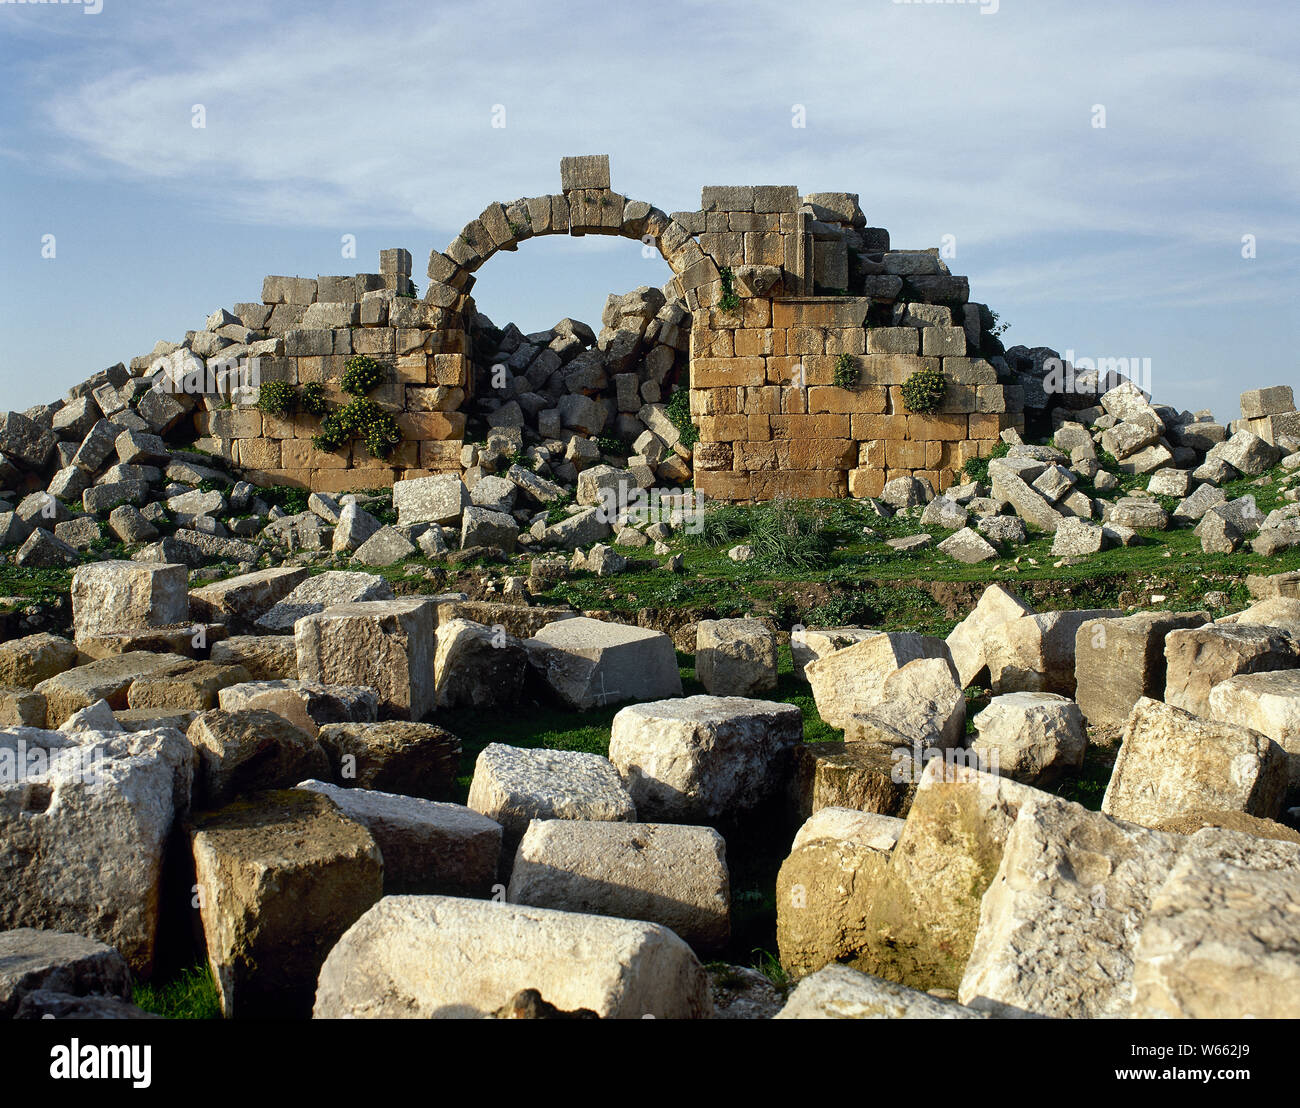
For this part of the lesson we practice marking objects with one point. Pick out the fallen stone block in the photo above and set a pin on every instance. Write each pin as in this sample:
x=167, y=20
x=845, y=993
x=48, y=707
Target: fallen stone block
x=308, y=705
x=21, y=707
x=661, y=873
x=735, y=657
x=1034, y=738
x=1035, y=653
x=385, y=645
x=1060, y=920
x=1199, y=658
x=437, y=499
x=590, y=663
x=281, y=876
x=26, y=662
x=841, y=993
x=241, y=751
x=1172, y=762
x=427, y=847
x=514, y=786
x=996, y=606
x=240, y=601
x=1117, y=661
x=702, y=759
x=324, y=591
x=825, y=887
x=419, y=759
x=476, y=666
x=921, y=703
x=417, y=957
x=1218, y=940
x=34, y=960
x=122, y=596
x=107, y=679
x=265, y=657
x=196, y=688
x=867, y=776
x=850, y=681
x=816, y=642
x=1265, y=702
x=924, y=913
x=86, y=818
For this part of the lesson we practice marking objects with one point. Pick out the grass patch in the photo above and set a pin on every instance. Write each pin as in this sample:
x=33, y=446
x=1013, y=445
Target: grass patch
x=190, y=995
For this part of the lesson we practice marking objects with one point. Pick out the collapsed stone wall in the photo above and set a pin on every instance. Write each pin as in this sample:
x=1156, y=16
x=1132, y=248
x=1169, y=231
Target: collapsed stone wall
x=778, y=288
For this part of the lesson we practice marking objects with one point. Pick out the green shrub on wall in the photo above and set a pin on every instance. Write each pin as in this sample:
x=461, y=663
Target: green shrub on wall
x=678, y=411
x=361, y=418
x=276, y=398
x=362, y=374
x=729, y=301
x=311, y=399
x=924, y=391
x=846, y=372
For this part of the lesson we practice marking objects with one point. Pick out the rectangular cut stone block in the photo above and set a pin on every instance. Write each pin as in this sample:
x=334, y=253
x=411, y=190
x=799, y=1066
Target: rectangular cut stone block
x=282, y=875
x=85, y=819
x=1059, y=922
x=924, y=915
x=585, y=171
x=1172, y=763
x=590, y=663
x=433, y=956
x=1199, y=658
x=1119, y=661
x=127, y=596
x=704, y=759
x=671, y=875
x=387, y=645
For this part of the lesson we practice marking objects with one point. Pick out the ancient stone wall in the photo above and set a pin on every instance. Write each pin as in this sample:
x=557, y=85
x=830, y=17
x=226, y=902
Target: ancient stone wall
x=782, y=290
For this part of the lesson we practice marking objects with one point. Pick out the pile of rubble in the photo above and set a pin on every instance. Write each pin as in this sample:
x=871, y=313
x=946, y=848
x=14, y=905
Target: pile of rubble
x=1063, y=488
x=276, y=737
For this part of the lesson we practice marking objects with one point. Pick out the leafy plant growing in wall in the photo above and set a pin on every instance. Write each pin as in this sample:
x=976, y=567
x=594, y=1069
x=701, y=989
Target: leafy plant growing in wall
x=924, y=390
x=361, y=418
x=312, y=399
x=729, y=301
x=846, y=372
x=277, y=398
x=678, y=411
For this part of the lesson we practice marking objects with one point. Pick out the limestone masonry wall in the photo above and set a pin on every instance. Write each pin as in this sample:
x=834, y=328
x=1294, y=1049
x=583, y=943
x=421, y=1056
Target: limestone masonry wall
x=781, y=288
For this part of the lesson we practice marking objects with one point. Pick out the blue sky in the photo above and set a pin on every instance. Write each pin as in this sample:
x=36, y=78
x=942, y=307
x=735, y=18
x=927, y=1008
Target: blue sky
x=375, y=120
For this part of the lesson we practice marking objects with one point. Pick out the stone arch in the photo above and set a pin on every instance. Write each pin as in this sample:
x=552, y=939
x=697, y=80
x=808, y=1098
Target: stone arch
x=503, y=226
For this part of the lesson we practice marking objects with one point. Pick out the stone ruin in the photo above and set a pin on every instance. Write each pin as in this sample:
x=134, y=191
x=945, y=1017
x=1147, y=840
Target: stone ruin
x=770, y=291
